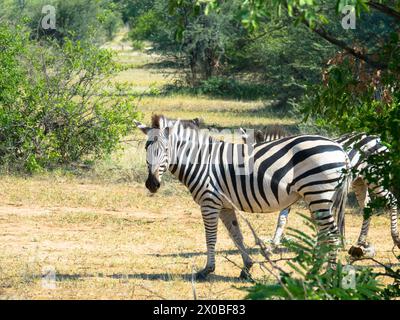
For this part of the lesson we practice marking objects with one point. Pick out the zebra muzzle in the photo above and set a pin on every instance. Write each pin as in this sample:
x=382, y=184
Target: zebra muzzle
x=152, y=183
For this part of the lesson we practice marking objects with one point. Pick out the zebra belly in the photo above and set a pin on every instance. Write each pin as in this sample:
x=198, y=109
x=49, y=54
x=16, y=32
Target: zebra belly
x=264, y=207
x=275, y=206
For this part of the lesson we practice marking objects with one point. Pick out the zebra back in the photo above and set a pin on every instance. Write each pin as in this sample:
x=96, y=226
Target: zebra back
x=359, y=146
x=157, y=122
x=267, y=134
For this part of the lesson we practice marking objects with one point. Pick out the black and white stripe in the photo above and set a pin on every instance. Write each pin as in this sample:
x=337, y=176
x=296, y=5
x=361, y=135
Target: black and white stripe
x=359, y=147
x=270, y=176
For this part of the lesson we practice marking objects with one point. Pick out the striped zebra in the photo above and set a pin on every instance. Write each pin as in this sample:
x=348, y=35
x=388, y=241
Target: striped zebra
x=223, y=177
x=359, y=147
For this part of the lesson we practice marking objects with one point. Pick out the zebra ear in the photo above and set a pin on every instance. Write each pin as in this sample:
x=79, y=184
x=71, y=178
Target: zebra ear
x=142, y=127
x=244, y=135
x=259, y=136
x=166, y=131
x=198, y=122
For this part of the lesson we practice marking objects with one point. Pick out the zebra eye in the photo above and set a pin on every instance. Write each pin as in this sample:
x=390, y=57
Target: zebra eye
x=148, y=143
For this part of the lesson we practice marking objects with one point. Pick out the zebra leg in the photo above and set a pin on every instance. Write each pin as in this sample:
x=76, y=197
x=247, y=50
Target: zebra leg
x=363, y=247
x=327, y=232
x=282, y=220
x=362, y=195
x=210, y=219
x=393, y=224
x=320, y=205
x=392, y=204
x=228, y=217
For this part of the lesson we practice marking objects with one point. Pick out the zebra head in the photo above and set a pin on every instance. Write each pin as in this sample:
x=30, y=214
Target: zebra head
x=157, y=147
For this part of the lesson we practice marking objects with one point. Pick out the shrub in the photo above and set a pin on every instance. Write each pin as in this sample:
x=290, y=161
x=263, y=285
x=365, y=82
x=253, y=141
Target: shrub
x=219, y=86
x=54, y=108
x=228, y=87
x=79, y=19
x=138, y=45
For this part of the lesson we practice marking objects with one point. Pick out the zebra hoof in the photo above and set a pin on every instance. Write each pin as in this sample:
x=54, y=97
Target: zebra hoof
x=369, y=251
x=356, y=252
x=397, y=242
x=202, y=275
x=366, y=250
x=245, y=275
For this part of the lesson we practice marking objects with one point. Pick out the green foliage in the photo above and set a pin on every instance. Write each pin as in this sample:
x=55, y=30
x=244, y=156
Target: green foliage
x=132, y=9
x=360, y=90
x=355, y=97
x=110, y=19
x=222, y=87
x=218, y=56
x=53, y=106
x=253, y=12
x=138, y=45
x=219, y=86
x=199, y=42
x=308, y=279
x=76, y=19
x=149, y=26
x=392, y=291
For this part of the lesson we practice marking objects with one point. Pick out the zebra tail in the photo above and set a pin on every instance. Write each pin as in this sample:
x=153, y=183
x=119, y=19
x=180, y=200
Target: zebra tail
x=339, y=205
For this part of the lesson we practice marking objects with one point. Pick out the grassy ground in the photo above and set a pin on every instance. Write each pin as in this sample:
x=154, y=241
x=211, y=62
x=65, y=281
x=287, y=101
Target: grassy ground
x=105, y=236
x=116, y=241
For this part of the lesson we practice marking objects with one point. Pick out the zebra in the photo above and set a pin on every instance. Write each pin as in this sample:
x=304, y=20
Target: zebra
x=360, y=146
x=223, y=177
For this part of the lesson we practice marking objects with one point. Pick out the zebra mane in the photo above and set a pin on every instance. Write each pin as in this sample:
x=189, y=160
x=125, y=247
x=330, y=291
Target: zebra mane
x=161, y=122
x=271, y=133
x=267, y=134
x=155, y=121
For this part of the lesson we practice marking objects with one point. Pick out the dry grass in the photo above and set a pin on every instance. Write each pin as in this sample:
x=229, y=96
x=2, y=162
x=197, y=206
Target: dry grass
x=118, y=242
x=106, y=237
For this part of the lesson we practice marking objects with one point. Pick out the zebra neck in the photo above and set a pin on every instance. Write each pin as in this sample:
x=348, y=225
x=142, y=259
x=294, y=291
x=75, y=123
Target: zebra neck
x=190, y=152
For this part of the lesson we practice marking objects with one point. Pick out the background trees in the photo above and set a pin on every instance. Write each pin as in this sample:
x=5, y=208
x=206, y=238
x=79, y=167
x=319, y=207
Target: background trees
x=359, y=86
x=77, y=19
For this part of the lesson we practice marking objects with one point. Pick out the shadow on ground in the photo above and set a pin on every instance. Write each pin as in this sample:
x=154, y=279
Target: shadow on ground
x=195, y=254
x=147, y=276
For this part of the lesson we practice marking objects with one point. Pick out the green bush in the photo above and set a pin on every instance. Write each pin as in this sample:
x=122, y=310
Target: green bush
x=98, y=20
x=54, y=108
x=219, y=86
x=138, y=45
x=222, y=87
x=227, y=87
x=355, y=97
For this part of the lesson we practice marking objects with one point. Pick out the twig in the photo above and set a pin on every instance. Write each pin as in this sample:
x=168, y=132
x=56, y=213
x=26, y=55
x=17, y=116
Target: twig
x=194, y=283
x=233, y=262
x=152, y=292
